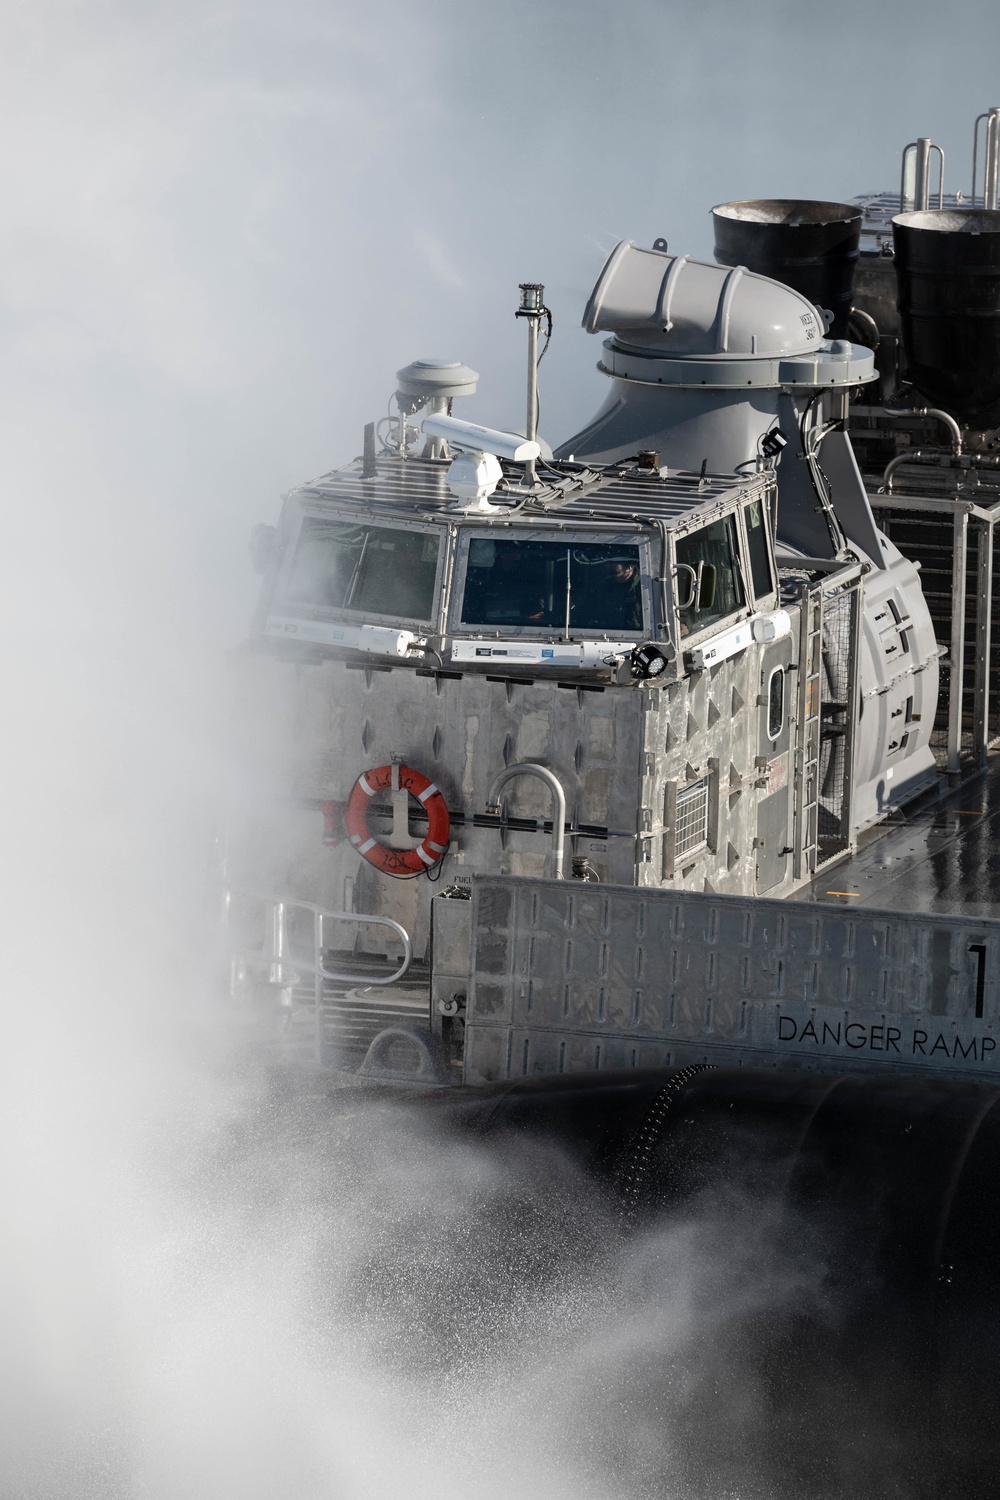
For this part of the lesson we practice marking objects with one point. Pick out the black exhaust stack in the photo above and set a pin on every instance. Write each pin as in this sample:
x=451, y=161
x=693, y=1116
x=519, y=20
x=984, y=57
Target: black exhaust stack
x=809, y=245
x=948, y=278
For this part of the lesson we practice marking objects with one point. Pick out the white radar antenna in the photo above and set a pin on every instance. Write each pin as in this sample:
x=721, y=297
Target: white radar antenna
x=475, y=470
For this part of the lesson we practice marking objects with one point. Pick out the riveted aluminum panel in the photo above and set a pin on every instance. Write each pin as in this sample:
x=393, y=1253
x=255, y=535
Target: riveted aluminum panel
x=311, y=729
x=569, y=977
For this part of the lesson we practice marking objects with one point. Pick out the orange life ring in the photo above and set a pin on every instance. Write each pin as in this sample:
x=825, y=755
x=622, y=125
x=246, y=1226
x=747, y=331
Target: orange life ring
x=401, y=863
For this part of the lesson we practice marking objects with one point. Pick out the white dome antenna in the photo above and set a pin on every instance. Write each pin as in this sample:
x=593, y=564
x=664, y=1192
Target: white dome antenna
x=433, y=383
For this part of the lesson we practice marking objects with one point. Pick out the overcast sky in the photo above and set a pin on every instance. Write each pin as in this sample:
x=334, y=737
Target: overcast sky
x=226, y=223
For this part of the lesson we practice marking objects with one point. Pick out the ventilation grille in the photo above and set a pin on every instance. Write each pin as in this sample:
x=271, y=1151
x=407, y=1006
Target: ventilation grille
x=691, y=827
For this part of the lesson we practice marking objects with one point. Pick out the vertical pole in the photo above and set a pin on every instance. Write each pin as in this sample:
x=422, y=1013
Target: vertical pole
x=532, y=307
x=991, y=179
x=433, y=447
x=814, y=723
x=532, y=423
x=851, y=717
x=369, y=469
x=277, y=940
x=317, y=917
x=957, y=644
x=801, y=703
x=905, y=175
x=922, y=179
x=984, y=622
x=279, y=971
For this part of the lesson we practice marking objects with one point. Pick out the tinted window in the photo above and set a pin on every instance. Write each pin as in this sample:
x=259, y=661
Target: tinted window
x=708, y=584
x=374, y=570
x=552, y=585
x=760, y=561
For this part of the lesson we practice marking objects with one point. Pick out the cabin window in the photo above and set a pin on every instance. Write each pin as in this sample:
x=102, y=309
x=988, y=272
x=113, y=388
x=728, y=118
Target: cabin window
x=707, y=578
x=760, y=552
x=691, y=821
x=552, y=585
x=371, y=570
x=776, y=703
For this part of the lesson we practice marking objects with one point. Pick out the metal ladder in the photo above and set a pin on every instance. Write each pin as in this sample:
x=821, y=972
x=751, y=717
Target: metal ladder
x=807, y=740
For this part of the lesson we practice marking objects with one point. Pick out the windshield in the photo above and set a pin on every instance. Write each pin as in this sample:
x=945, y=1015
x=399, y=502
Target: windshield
x=552, y=585
x=374, y=570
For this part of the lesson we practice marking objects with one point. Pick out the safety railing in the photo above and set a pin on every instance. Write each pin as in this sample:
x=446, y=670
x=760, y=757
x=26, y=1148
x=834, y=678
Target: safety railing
x=285, y=967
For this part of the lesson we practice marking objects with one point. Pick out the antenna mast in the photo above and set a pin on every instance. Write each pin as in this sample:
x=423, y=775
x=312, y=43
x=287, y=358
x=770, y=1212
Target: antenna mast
x=533, y=308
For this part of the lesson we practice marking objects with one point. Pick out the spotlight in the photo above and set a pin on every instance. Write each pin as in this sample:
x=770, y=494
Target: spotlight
x=648, y=660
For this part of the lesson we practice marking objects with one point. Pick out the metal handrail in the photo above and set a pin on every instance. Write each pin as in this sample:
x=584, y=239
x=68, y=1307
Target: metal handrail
x=278, y=956
x=530, y=768
x=921, y=149
x=991, y=164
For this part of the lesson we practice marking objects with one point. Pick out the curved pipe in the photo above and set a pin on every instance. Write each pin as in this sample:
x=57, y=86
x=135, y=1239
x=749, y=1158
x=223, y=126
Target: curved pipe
x=915, y=456
x=866, y=318
x=923, y=411
x=935, y=455
x=529, y=768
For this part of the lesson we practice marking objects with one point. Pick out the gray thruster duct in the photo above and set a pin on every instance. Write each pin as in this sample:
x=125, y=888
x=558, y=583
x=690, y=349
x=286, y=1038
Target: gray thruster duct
x=704, y=362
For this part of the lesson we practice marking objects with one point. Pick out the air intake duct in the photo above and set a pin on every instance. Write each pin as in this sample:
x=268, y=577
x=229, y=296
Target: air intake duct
x=809, y=245
x=948, y=278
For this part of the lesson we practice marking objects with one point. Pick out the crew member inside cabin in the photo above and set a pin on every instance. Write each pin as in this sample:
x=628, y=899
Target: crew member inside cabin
x=553, y=585
x=622, y=604
x=610, y=595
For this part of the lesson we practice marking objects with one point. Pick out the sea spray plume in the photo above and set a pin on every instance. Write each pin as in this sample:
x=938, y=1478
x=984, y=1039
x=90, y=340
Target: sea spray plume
x=342, y=1298
x=495, y=1296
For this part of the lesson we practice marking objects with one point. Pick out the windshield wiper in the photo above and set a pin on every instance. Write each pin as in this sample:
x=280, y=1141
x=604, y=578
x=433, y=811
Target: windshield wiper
x=349, y=592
